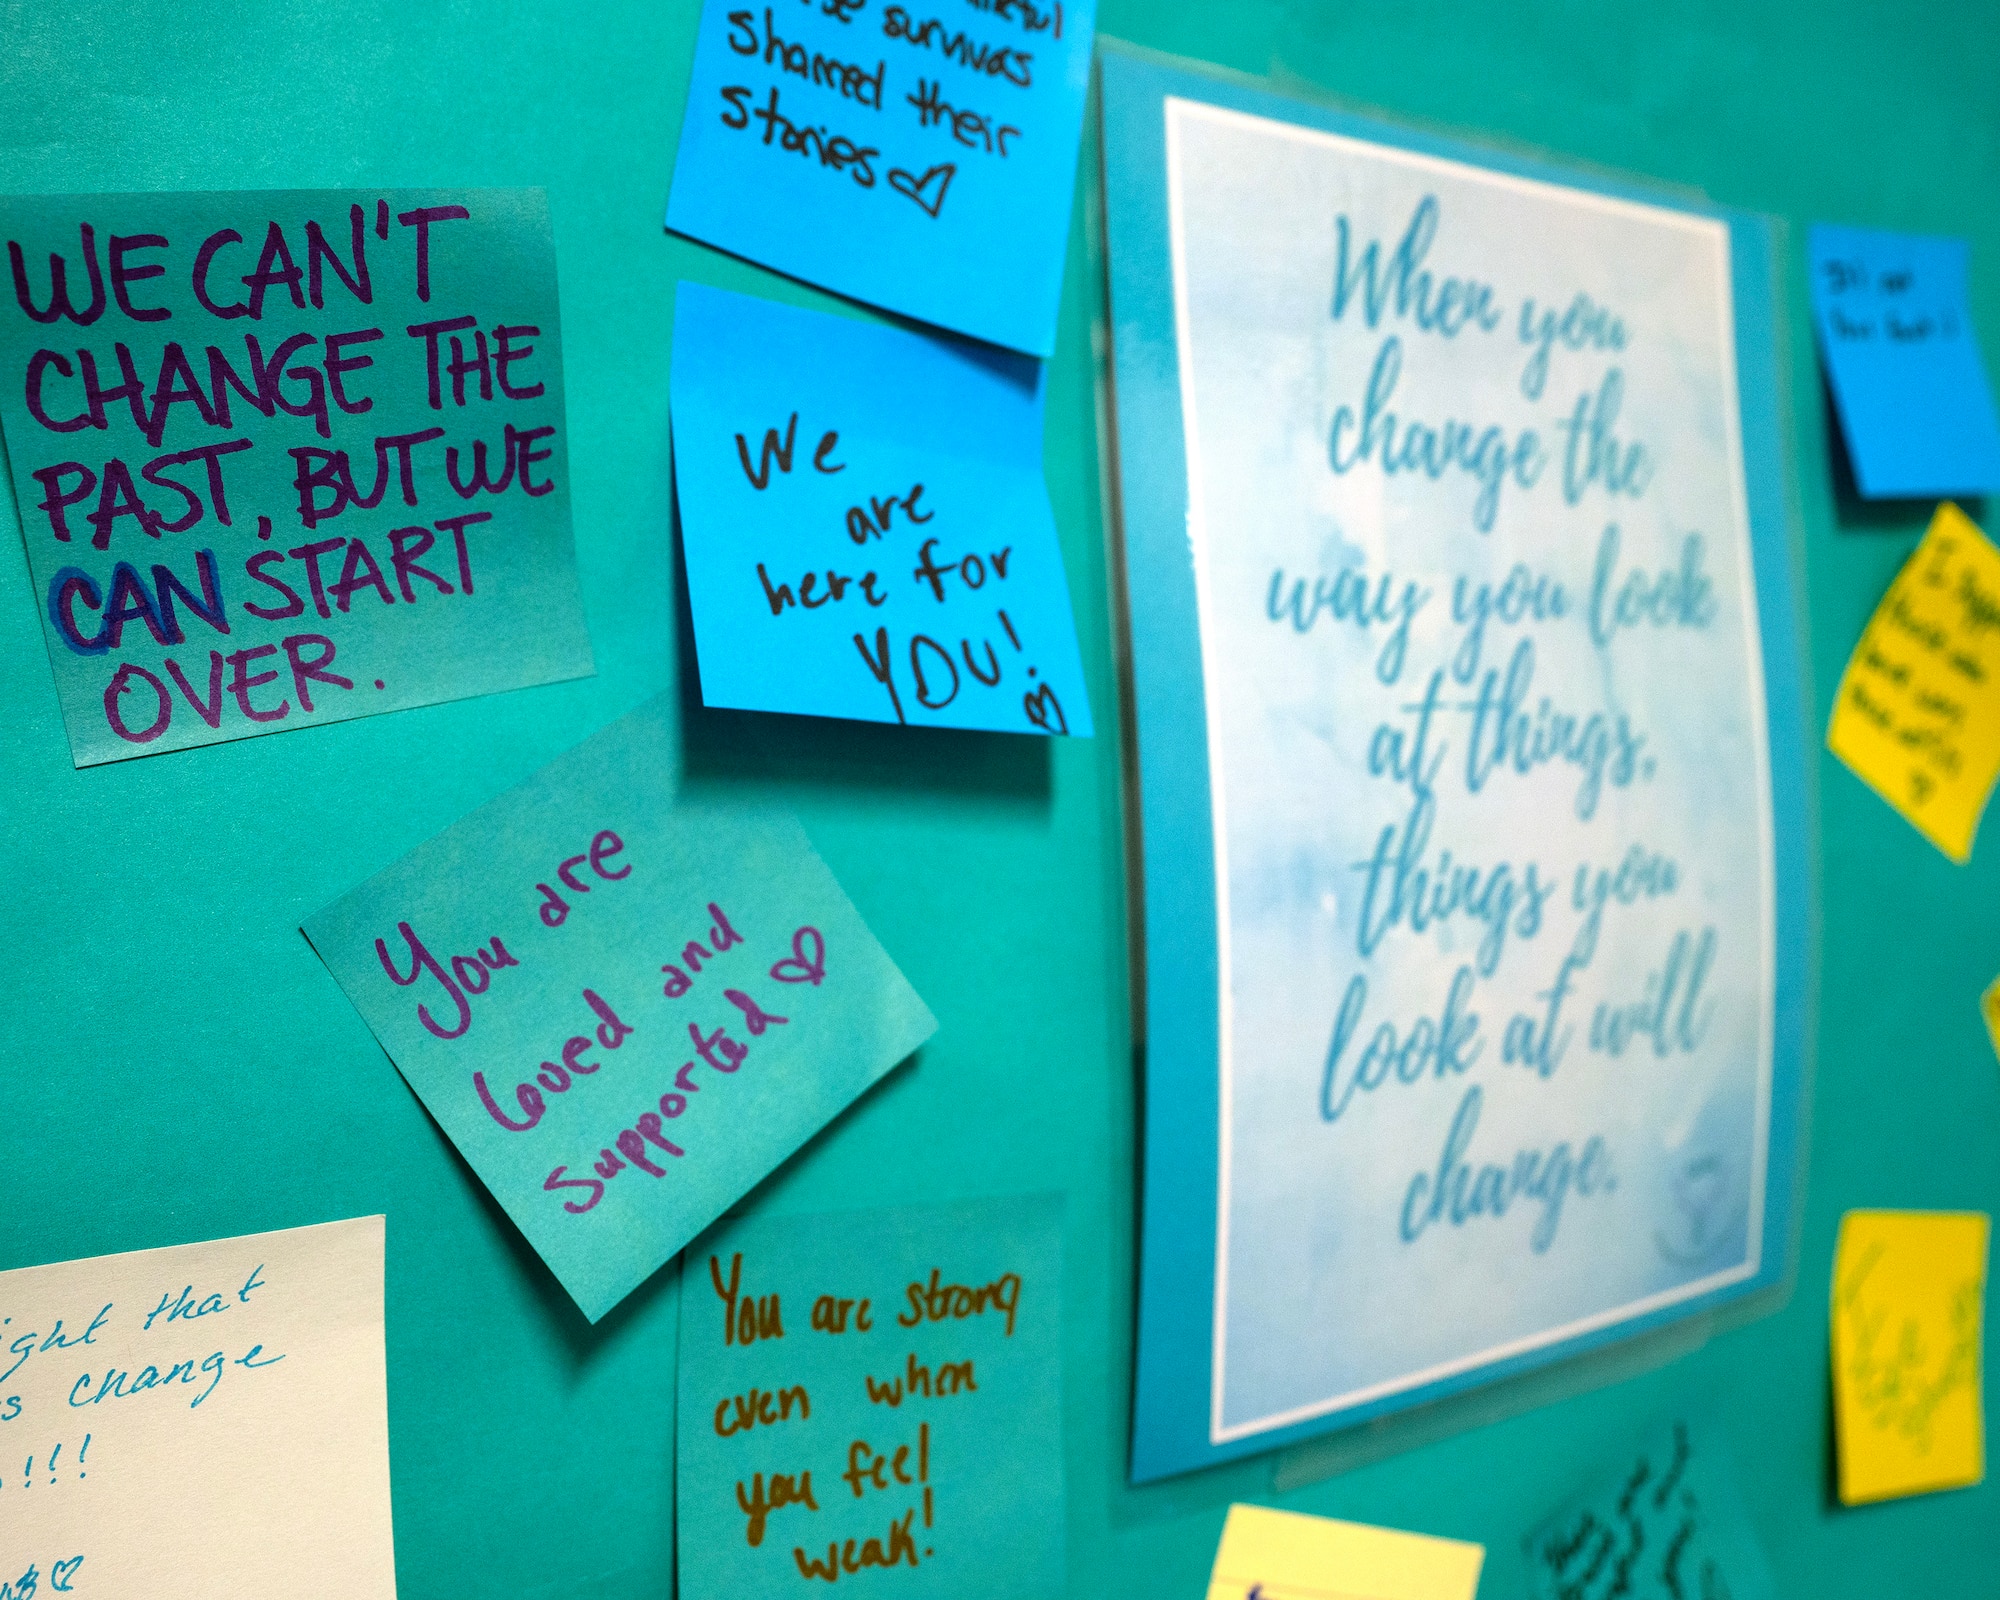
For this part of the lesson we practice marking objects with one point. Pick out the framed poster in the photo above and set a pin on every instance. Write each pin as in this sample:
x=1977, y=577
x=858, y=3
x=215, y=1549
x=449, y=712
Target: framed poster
x=1470, y=753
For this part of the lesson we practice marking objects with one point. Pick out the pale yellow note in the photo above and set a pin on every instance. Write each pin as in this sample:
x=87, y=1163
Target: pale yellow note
x=1918, y=713
x=1283, y=1555
x=203, y=1420
x=1908, y=1290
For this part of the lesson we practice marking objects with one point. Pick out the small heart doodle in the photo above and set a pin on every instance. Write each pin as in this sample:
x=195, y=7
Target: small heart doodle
x=916, y=188
x=1045, y=711
x=800, y=967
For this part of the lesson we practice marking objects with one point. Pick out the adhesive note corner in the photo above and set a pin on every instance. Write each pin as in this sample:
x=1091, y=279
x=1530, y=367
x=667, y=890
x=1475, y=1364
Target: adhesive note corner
x=1909, y=1292
x=285, y=458
x=1917, y=716
x=867, y=530
x=1286, y=1555
x=1893, y=315
x=875, y=1389
x=916, y=157
x=1665, y=1522
x=199, y=1419
x=626, y=1002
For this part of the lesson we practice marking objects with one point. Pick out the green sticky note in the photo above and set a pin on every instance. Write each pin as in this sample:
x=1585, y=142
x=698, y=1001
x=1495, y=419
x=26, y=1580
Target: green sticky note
x=874, y=1390
x=287, y=457
x=624, y=1005
x=1663, y=1523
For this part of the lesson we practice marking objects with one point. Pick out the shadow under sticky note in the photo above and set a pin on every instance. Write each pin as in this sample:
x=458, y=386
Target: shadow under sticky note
x=625, y=1002
x=920, y=162
x=874, y=1390
x=866, y=528
x=1909, y=1292
x=1287, y=1555
x=202, y=1419
x=1666, y=1523
x=1893, y=317
x=210, y=515
x=1917, y=716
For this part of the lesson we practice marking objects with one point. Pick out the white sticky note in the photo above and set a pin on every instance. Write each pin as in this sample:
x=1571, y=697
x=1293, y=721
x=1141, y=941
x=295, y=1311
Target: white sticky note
x=200, y=1420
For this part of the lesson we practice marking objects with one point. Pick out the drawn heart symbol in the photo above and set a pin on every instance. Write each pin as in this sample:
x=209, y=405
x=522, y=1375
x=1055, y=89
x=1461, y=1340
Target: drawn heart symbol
x=60, y=1572
x=903, y=183
x=1045, y=711
x=798, y=967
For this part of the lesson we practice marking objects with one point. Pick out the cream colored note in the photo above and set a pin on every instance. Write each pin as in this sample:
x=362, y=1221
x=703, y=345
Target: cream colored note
x=1909, y=1288
x=1284, y=1555
x=1918, y=713
x=198, y=1421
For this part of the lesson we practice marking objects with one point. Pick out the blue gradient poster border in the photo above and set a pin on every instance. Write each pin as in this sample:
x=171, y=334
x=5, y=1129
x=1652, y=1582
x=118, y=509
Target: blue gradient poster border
x=1465, y=676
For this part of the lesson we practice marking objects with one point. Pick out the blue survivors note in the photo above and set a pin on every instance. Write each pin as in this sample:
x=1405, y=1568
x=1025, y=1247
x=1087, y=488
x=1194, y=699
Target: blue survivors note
x=1665, y=1523
x=918, y=157
x=1895, y=332
x=624, y=1005
x=874, y=1389
x=865, y=523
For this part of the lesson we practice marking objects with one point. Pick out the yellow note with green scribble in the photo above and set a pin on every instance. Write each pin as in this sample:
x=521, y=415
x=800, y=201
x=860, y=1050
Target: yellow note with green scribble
x=1908, y=1290
x=1285, y=1555
x=1989, y=1008
x=1918, y=713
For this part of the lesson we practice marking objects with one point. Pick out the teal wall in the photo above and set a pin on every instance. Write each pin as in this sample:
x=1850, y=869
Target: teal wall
x=176, y=1065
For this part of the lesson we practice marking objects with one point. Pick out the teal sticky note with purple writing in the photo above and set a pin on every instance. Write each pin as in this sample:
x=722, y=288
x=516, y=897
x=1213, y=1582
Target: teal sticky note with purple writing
x=287, y=457
x=867, y=531
x=626, y=1002
x=1665, y=1522
x=920, y=157
x=874, y=1398
x=1894, y=320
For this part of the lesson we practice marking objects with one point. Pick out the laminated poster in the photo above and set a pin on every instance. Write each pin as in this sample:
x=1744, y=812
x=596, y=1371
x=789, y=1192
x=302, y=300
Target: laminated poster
x=1469, y=753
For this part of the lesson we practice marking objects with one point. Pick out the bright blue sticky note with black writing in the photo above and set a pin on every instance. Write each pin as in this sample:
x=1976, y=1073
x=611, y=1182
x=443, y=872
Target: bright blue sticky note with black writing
x=866, y=527
x=874, y=1389
x=625, y=1001
x=1895, y=330
x=917, y=157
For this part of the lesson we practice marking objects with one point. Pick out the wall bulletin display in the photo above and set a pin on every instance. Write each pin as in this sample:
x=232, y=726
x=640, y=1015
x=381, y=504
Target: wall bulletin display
x=1094, y=798
x=1470, y=760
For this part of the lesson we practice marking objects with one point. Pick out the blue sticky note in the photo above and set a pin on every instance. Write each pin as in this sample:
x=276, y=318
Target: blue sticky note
x=624, y=1004
x=875, y=1389
x=1895, y=331
x=916, y=157
x=866, y=527
x=1665, y=1523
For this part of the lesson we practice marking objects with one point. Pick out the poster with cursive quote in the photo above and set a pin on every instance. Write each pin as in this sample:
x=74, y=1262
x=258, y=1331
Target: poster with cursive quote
x=1461, y=682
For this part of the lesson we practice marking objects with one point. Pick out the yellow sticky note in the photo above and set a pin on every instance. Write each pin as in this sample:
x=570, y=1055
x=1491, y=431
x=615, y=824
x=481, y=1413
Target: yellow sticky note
x=1918, y=713
x=1908, y=1290
x=1989, y=1008
x=1284, y=1555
